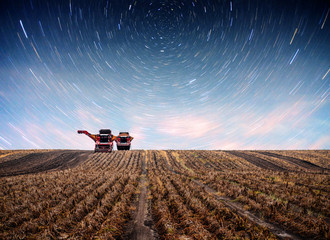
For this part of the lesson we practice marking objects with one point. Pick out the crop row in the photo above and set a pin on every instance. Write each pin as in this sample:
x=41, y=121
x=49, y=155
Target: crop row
x=298, y=201
x=319, y=157
x=114, y=162
x=299, y=208
x=182, y=208
x=97, y=198
x=78, y=203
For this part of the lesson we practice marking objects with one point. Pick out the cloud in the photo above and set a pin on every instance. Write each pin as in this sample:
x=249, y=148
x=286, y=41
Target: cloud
x=50, y=136
x=138, y=133
x=188, y=126
x=281, y=119
x=322, y=143
x=226, y=145
x=89, y=118
x=70, y=139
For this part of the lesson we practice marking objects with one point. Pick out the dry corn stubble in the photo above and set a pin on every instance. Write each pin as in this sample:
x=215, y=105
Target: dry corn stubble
x=95, y=197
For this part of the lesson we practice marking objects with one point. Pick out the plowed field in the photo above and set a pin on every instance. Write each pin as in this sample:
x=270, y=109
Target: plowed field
x=69, y=194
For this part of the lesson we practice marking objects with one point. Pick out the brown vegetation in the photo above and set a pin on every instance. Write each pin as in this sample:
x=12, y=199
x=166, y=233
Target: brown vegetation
x=66, y=194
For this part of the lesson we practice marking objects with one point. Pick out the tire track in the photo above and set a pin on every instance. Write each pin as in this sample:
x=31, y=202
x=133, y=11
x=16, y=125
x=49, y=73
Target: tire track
x=257, y=161
x=278, y=231
x=141, y=225
x=41, y=162
x=295, y=161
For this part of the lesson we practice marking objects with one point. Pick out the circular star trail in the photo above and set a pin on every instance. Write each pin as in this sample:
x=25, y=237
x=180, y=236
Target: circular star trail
x=175, y=74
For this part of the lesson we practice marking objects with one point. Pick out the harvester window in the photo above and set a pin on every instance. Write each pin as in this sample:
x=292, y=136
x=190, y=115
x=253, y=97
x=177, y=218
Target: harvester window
x=104, y=138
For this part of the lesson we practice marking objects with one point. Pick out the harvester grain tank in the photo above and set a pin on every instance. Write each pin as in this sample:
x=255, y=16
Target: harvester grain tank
x=123, y=141
x=103, y=140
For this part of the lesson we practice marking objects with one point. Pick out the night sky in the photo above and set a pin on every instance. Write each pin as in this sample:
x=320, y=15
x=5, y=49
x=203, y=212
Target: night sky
x=195, y=74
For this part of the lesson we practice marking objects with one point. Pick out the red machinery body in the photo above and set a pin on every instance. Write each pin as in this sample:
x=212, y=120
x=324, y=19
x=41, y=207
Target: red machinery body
x=123, y=141
x=103, y=140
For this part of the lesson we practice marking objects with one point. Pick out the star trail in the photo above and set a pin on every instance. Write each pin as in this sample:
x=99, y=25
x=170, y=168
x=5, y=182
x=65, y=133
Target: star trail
x=221, y=74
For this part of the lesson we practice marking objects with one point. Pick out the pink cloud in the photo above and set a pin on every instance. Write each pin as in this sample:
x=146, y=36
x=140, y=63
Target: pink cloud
x=139, y=137
x=188, y=126
x=283, y=117
x=321, y=143
x=226, y=145
x=137, y=132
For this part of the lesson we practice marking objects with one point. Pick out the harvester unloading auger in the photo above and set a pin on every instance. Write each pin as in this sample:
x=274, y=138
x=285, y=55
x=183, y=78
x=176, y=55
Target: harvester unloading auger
x=104, y=140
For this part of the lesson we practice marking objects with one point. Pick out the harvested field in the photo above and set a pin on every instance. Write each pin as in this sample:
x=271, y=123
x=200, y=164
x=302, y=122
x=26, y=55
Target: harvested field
x=69, y=194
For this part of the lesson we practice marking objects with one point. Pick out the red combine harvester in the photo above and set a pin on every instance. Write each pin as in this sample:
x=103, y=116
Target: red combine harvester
x=103, y=140
x=123, y=141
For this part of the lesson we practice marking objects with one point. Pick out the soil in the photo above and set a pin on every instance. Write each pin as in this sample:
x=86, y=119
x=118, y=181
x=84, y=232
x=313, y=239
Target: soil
x=257, y=161
x=140, y=228
x=43, y=161
x=142, y=225
x=299, y=162
x=279, y=232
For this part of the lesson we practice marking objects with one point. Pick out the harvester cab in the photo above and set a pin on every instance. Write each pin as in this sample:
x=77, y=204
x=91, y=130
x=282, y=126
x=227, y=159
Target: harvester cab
x=123, y=141
x=103, y=140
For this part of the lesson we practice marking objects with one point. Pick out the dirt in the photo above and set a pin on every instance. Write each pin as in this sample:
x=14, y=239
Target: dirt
x=279, y=232
x=257, y=161
x=43, y=161
x=141, y=225
x=296, y=161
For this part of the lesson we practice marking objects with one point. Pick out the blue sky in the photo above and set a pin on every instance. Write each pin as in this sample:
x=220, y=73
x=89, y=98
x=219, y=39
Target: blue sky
x=175, y=74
